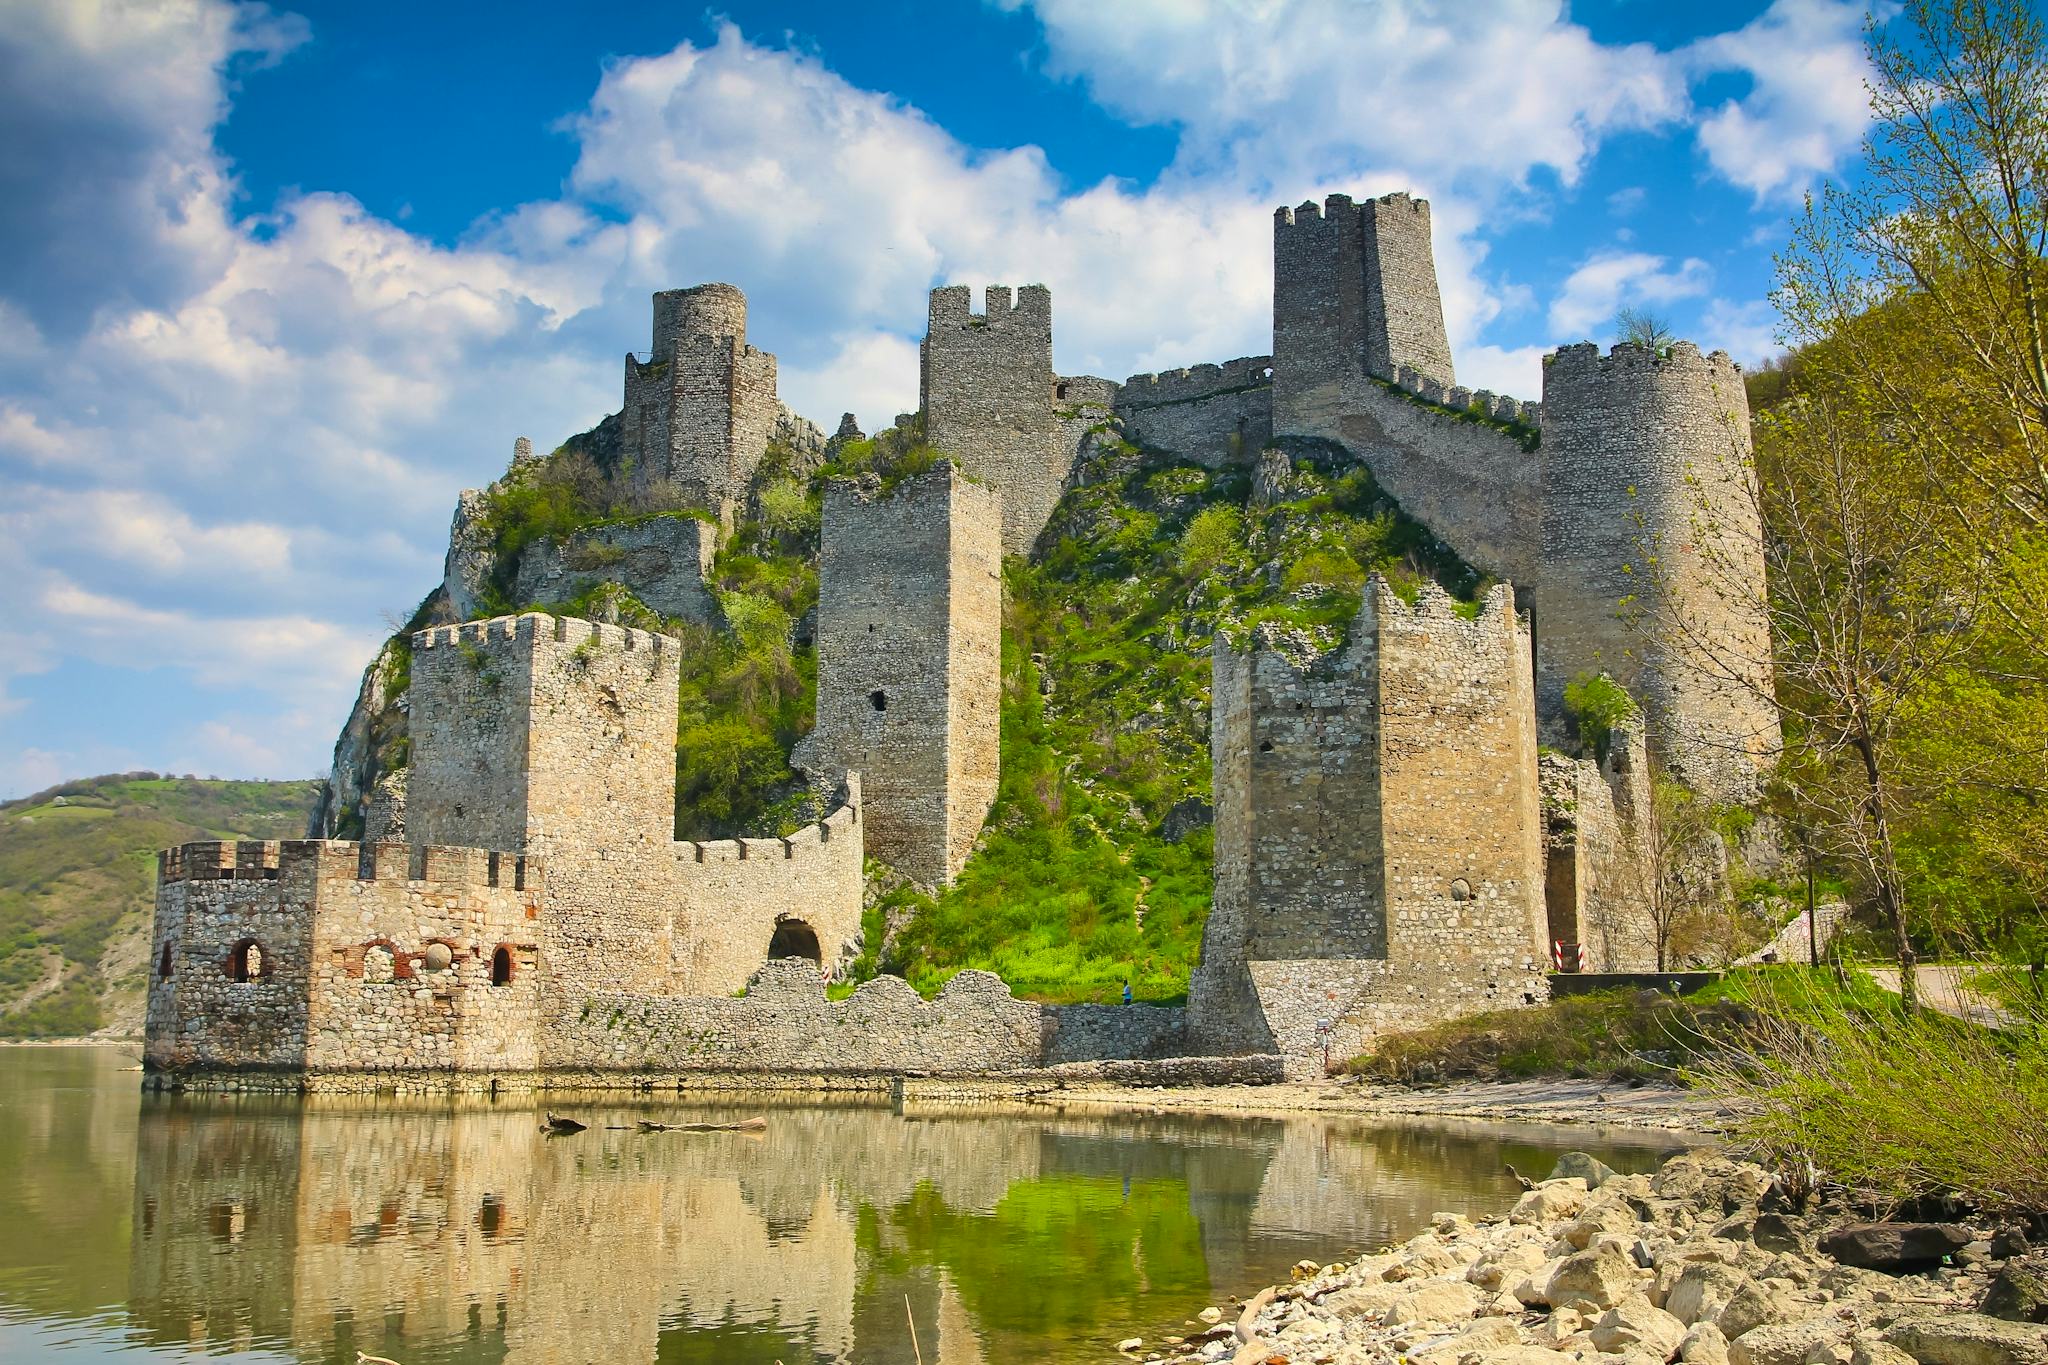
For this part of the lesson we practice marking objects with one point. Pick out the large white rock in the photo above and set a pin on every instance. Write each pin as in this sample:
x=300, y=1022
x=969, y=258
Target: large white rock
x=1602, y=1275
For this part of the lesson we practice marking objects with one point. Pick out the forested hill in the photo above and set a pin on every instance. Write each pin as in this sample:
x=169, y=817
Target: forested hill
x=77, y=877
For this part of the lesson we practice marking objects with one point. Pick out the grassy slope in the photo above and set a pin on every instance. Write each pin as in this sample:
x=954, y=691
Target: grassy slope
x=1075, y=886
x=77, y=868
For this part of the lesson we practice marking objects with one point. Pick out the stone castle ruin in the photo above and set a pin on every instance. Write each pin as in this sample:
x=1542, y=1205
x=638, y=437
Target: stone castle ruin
x=1390, y=846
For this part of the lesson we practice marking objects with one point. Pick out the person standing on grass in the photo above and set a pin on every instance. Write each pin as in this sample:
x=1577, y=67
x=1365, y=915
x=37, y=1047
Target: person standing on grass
x=1127, y=992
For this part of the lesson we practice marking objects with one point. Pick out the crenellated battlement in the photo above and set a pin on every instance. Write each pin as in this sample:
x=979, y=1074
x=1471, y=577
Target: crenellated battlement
x=537, y=627
x=1027, y=306
x=1630, y=358
x=342, y=859
x=827, y=837
x=1195, y=382
x=1498, y=406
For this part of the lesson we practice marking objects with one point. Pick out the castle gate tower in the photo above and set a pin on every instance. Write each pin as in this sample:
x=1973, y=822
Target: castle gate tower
x=987, y=383
x=1652, y=555
x=910, y=607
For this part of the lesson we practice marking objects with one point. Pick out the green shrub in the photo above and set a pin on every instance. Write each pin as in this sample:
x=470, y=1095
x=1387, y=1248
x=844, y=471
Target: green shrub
x=1891, y=1105
x=1215, y=536
x=1597, y=704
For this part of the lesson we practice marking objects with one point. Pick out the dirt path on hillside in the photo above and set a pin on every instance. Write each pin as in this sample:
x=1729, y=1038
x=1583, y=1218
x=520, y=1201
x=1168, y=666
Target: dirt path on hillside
x=1946, y=990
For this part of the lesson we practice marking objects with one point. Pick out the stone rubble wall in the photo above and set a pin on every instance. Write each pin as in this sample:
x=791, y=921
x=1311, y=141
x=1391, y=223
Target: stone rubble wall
x=987, y=383
x=785, y=1022
x=1595, y=821
x=910, y=663
x=1648, y=453
x=1101, y=1033
x=1498, y=406
x=665, y=560
x=1214, y=415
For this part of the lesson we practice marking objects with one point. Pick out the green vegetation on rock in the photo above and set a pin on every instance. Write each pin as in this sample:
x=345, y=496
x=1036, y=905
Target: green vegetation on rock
x=77, y=884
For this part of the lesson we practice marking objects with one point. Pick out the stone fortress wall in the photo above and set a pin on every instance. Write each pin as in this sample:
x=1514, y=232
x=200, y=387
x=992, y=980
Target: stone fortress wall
x=909, y=639
x=1378, y=861
x=1385, y=854
x=319, y=955
x=988, y=393
x=1215, y=415
x=1596, y=826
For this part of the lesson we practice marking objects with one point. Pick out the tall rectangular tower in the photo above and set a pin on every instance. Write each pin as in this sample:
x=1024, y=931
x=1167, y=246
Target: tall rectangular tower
x=910, y=607
x=533, y=734
x=1378, y=835
x=1354, y=296
x=987, y=383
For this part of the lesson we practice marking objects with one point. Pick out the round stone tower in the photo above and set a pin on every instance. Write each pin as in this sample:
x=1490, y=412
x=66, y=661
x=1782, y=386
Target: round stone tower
x=1652, y=555
x=705, y=310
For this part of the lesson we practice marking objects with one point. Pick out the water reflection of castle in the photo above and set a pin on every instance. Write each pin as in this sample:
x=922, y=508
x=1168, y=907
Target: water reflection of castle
x=460, y=1233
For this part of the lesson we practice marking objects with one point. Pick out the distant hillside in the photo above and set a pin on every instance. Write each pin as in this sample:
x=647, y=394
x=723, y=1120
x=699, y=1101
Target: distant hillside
x=77, y=873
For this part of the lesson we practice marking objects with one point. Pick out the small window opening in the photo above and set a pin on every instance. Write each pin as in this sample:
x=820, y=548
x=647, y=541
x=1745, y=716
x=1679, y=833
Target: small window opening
x=879, y=699
x=501, y=967
x=163, y=964
x=1265, y=746
x=245, y=963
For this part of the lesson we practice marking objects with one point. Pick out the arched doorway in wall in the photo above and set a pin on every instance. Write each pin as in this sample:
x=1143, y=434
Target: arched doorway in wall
x=501, y=966
x=794, y=938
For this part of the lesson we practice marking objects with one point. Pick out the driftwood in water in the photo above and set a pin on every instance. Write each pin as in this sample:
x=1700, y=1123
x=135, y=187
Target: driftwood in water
x=365, y=1358
x=556, y=1124
x=753, y=1125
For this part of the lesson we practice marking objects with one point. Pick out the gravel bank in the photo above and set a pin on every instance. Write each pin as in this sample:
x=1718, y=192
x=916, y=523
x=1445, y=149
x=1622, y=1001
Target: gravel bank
x=1702, y=1262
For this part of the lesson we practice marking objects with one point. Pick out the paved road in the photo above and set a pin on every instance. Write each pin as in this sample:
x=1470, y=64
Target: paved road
x=1943, y=988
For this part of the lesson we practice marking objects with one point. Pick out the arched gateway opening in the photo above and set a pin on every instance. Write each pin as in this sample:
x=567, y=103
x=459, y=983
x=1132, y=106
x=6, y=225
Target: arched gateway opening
x=794, y=938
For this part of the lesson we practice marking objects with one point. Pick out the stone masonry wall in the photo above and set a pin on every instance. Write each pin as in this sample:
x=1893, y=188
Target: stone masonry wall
x=557, y=737
x=1647, y=455
x=1594, y=818
x=1378, y=859
x=987, y=384
x=664, y=560
x=732, y=895
x=785, y=1022
x=1404, y=312
x=909, y=663
x=1215, y=415
x=350, y=976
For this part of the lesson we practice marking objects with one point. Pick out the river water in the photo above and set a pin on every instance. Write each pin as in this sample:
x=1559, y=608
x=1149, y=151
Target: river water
x=140, y=1228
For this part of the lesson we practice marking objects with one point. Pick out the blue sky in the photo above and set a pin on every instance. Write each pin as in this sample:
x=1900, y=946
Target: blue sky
x=277, y=282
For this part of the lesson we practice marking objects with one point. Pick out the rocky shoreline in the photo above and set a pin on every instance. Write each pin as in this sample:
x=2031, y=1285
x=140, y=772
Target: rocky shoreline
x=1704, y=1262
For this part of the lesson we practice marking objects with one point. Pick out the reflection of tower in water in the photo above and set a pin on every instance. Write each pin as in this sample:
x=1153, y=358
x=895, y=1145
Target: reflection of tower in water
x=453, y=1231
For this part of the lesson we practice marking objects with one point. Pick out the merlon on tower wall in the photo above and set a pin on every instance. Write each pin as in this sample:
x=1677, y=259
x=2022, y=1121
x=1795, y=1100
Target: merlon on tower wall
x=987, y=383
